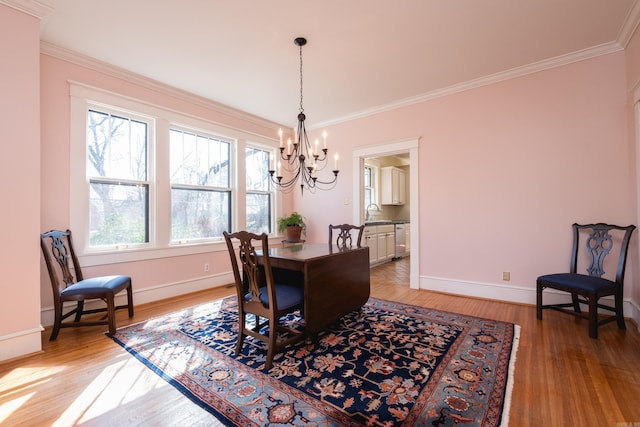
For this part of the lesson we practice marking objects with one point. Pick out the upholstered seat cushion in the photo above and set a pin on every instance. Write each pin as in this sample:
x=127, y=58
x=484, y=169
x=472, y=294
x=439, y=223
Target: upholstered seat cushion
x=581, y=282
x=286, y=295
x=97, y=285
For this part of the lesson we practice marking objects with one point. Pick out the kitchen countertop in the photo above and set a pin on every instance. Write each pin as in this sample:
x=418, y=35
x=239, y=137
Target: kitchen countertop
x=386, y=222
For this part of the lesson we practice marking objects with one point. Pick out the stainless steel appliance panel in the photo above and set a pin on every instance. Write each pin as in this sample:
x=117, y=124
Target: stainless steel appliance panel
x=401, y=240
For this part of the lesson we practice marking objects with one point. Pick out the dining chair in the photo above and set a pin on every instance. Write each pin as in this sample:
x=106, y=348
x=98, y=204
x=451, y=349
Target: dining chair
x=259, y=294
x=62, y=263
x=345, y=235
x=584, y=281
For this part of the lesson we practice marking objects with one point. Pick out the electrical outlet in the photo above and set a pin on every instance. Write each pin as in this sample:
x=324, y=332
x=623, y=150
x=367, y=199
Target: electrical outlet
x=206, y=266
x=506, y=276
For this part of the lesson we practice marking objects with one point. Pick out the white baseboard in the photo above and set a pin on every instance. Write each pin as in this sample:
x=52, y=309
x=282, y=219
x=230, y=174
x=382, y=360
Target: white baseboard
x=154, y=293
x=20, y=343
x=510, y=293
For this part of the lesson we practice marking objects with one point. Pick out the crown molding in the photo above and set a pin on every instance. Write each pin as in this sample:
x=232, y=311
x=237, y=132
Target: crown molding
x=120, y=73
x=30, y=7
x=630, y=25
x=535, y=67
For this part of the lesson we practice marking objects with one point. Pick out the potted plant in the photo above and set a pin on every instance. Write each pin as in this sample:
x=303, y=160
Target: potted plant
x=293, y=226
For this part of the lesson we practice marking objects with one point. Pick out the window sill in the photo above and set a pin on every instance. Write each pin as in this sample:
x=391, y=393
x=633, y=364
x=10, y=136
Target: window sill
x=141, y=254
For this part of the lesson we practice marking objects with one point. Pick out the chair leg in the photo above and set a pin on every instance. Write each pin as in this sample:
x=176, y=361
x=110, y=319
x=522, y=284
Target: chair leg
x=539, y=300
x=241, y=326
x=79, y=310
x=273, y=341
x=576, y=303
x=619, y=311
x=111, y=314
x=593, y=316
x=56, y=323
x=130, y=299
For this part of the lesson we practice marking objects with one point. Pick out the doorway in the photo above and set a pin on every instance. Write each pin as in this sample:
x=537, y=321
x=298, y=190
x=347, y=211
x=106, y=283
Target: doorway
x=409, y=146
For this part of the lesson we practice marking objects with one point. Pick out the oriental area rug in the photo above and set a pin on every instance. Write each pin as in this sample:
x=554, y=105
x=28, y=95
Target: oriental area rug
x=389, y=364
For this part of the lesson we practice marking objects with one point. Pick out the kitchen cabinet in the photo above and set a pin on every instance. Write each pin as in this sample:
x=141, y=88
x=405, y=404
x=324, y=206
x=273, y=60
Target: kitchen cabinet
x=393, y=186
x=371, y=240
x=381, y=242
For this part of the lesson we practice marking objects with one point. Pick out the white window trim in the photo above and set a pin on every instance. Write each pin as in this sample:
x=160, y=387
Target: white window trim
x=83, y=97
x=242, y=186
x=375, y=180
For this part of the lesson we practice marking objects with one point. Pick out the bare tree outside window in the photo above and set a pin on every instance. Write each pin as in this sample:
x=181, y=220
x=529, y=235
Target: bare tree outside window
x=258, y=191
x=117, y=171
x=200, y=175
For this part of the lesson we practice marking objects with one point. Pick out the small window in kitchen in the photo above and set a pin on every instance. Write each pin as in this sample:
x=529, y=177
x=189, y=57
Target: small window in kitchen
x=370, y=187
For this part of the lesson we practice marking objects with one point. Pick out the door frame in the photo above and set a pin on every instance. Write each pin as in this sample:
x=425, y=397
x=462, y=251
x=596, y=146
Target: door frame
x=389, y=149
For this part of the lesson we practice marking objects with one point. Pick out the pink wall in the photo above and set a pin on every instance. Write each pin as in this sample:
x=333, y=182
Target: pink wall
x=632, y=56
x=20, y=177
x=505, y=169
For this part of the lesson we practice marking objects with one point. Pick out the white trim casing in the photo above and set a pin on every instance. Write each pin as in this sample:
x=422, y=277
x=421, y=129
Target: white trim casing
x=389, y=149
x=21, y=343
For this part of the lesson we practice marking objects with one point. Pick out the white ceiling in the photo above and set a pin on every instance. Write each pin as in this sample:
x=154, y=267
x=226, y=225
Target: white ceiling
x=362, y=55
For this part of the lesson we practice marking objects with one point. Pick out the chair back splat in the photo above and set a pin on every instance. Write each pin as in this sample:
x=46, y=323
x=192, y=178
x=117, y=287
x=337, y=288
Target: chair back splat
x=587, y=280
x=346, y=235
x=62, y=263
x=260, y=295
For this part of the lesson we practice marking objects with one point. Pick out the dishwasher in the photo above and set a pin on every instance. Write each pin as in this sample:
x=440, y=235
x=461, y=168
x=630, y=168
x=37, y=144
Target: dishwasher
x=401, y=240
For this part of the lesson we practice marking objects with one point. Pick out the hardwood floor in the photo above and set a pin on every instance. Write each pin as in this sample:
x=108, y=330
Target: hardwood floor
x=562, y=377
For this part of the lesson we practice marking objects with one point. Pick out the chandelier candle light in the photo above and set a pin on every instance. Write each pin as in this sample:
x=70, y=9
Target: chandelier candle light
x=301, y=159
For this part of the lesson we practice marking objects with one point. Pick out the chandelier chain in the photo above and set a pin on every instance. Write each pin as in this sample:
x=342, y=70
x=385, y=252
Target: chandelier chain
x=301, y=107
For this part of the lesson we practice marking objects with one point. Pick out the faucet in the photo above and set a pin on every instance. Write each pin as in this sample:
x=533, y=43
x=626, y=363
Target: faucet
x=368, y=214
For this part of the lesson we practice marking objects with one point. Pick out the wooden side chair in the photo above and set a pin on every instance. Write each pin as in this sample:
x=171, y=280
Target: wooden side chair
x=346, y=234
x=585, y=281
x=62, y=263
x=260, y=295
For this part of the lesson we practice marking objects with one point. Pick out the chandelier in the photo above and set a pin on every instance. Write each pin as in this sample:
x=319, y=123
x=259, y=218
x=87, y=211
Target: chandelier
x=300, y=159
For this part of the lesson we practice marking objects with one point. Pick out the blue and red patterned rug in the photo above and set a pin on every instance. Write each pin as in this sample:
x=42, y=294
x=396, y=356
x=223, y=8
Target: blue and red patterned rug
x=391, y=364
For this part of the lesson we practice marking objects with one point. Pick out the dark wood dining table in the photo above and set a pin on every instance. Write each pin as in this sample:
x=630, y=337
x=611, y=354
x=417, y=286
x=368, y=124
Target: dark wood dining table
x=336, y=281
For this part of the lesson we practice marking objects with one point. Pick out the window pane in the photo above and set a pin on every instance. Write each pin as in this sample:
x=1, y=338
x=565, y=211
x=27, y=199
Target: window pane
x=258, y=181
x=199, y=160
x=199, y=214
x=118, y=214
x=259, y=213
x=116, y=147
x=368, y=186
x=257, y=162
x=367, y=197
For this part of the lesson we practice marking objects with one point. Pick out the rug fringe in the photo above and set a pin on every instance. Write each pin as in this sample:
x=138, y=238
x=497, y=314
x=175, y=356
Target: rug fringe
x=504, y=422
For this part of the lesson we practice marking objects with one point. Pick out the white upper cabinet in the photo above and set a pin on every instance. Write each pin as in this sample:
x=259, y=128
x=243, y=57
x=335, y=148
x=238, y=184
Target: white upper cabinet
x=393, y=189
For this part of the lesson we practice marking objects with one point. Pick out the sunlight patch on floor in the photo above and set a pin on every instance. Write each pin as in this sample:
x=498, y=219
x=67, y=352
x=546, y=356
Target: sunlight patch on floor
x=122, y=382
x=8, y=408
x=22, y=381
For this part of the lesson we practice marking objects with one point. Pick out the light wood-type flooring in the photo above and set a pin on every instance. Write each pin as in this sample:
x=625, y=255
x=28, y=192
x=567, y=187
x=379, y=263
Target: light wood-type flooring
x=562, y=377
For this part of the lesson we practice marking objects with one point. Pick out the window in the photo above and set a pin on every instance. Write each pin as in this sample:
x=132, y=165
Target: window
x=118, y=179
x=200, y=175
x=148, y=182
x=369, y=187
x=259, y=194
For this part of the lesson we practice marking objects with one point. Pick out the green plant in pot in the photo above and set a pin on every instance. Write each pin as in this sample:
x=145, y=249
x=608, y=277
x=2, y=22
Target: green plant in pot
x=293, y=226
